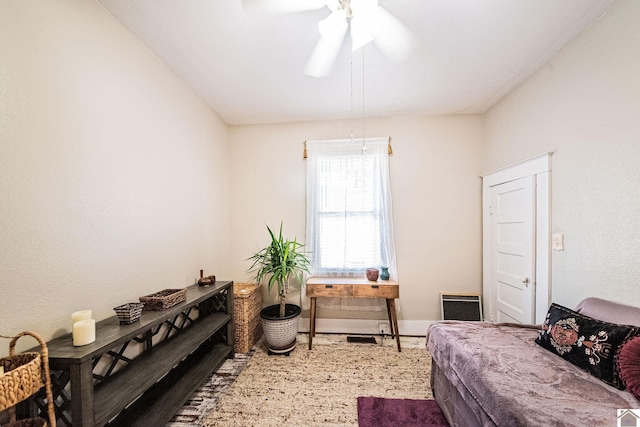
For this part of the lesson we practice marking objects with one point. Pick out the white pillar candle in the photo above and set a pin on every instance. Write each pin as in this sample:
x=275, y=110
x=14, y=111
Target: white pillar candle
x=80, y=315
x=84, y=332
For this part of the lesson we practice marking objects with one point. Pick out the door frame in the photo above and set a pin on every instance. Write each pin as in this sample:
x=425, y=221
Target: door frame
x=540, y=167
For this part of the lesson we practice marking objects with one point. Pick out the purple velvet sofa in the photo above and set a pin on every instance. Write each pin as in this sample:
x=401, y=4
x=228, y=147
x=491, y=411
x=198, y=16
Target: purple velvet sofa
x=491, y=374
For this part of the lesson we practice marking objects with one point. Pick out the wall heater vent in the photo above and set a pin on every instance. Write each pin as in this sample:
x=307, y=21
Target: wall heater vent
x=461, y=306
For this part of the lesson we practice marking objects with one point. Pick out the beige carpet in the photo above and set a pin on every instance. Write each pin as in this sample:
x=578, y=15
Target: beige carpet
x=320, y=387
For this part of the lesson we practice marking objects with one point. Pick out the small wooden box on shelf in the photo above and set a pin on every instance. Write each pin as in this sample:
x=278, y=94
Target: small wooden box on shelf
x=247, y=303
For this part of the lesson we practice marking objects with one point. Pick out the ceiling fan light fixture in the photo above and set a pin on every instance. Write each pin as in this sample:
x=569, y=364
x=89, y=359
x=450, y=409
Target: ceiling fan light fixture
x=368, y=21
x=359, y=14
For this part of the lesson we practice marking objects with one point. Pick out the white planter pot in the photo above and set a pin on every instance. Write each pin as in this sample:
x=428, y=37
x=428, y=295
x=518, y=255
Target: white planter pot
x=280, y=332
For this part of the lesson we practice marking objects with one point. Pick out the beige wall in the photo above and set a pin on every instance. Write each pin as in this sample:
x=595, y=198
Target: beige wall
x=435, y=183
x=585, y=106
x=116, y=181
x=113, y=175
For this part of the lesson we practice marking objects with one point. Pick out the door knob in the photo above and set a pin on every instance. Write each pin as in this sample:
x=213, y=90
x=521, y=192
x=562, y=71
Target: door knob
x=525, y=280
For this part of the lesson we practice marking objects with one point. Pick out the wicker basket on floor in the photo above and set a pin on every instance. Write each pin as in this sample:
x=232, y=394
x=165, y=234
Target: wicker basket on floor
x=24, y=375
x=247, y=303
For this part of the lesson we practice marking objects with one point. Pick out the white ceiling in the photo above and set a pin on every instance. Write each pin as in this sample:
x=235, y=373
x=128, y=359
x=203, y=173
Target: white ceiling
x=249, y=65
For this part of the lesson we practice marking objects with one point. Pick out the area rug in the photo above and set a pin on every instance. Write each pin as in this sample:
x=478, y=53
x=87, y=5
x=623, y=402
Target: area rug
x=320, y=387
x=382, y=412
x=206, y=397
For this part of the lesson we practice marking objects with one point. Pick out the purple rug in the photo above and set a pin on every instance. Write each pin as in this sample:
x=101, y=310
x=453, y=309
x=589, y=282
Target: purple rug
x=381, y=412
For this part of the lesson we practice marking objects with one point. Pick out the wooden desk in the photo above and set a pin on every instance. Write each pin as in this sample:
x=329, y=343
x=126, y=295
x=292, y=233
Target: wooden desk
x=353, y=287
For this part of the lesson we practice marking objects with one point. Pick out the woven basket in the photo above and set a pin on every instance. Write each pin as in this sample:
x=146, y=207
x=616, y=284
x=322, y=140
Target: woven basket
x=24, y=375
x=163, y=299
x=247, y=303
x=129, y=313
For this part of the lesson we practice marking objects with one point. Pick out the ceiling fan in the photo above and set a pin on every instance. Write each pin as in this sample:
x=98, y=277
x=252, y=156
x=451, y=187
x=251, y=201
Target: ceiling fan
x=368, y=21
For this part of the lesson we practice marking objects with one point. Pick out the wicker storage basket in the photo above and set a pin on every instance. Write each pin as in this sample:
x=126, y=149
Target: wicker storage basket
x=24, y=375
x=164, y=299
x=247, y=303
x=129, y=313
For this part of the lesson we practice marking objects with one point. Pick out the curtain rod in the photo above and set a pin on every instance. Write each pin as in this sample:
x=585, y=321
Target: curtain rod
x=389, y=147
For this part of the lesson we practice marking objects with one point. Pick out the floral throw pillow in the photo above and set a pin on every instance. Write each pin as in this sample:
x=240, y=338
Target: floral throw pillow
x=586, y=342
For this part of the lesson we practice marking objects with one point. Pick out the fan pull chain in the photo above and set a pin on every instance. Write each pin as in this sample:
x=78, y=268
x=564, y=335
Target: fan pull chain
x=351, y=86
x=364, y=148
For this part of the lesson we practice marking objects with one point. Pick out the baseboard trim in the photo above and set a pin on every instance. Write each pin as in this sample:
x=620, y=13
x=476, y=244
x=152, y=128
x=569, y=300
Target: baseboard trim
x=411, y=328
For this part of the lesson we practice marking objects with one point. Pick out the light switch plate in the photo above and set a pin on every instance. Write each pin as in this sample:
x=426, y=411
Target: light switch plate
x=557, y=241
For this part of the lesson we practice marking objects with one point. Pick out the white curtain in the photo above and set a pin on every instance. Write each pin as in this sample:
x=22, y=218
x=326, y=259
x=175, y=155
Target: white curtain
x=349, y=213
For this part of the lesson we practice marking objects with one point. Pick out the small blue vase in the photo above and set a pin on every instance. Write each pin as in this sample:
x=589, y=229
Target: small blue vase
x=384, y=274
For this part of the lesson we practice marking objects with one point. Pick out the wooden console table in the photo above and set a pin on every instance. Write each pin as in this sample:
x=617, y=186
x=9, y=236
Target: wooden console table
x=181, y=347
x=350, y=287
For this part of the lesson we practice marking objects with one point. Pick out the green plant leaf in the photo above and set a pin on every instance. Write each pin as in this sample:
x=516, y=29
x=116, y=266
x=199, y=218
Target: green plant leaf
x=278, y=261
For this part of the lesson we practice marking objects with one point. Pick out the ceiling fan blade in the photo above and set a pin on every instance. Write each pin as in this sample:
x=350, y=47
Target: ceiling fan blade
x=333, y=28
x=363, y=8
x=278, y=7
x=323, y=58
x=364, y=12
x=360, y=33
x=393, y=38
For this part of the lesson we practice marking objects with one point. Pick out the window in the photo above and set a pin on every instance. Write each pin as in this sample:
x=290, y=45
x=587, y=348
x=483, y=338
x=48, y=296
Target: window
x=349, y=223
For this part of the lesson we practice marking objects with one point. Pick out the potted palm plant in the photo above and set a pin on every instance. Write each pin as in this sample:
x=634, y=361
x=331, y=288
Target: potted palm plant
x=278, y=261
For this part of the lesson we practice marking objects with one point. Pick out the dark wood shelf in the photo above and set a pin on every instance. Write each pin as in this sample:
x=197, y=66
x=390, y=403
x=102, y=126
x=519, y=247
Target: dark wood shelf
x=115, y=392
x=156, y=406
x=182, y=345
x=110, y=333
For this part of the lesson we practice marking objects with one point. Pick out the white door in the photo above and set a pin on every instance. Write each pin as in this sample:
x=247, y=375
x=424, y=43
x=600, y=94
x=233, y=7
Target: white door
x=513, y=236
